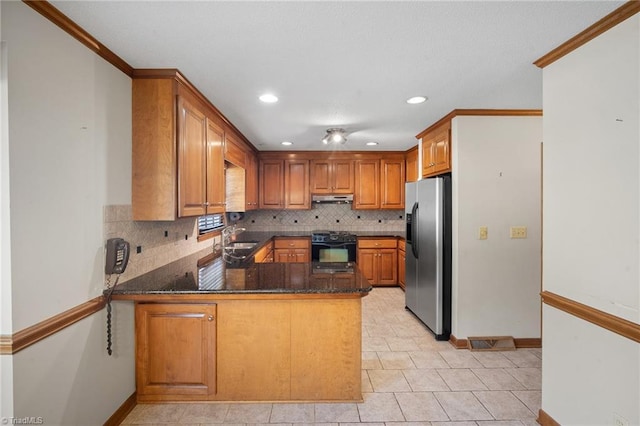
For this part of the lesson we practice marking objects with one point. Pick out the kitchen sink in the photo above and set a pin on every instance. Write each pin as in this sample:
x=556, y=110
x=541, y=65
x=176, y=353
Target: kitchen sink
x=244, y=245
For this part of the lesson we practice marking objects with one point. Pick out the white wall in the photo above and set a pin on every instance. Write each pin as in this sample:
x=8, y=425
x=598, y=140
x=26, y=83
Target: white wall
x=496, y=183
x=70, y=155
x=592, y=226
x=6, y=364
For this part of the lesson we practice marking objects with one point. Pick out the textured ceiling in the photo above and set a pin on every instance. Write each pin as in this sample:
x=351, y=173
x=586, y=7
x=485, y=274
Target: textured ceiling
x=343, y=64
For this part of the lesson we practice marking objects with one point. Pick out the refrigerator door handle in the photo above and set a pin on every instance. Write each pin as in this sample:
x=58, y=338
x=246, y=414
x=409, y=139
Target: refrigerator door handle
x=414, y=230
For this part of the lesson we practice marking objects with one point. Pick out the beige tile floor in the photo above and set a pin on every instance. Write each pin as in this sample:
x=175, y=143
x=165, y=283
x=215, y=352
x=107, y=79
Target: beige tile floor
x=408, y=378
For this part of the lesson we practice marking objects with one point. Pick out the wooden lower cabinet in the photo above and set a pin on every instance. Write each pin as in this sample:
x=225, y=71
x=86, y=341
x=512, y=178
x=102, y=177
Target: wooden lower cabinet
x=252, y=350
x=265, y=254
x=292, y=250
x=378, y=260
x=402, y=258
x=175, y=351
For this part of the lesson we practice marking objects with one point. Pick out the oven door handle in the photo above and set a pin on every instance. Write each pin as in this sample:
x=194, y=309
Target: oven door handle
x=334, y=245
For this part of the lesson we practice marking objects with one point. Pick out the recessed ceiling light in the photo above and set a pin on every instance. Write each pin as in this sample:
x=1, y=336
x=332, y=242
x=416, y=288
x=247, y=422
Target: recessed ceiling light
x=287, y=143
x=268, y=98
x=372, y=143
x=416, y=100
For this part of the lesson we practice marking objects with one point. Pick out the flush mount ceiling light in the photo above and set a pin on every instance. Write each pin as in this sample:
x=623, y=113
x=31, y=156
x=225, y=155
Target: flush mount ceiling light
x=416, y=100
x=268, y=98
x=286, y=143
x=334, y=135
x=372, y=143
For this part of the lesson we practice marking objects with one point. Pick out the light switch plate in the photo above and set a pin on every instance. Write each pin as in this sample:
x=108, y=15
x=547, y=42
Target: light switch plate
x=483, y=233
x=518, y=232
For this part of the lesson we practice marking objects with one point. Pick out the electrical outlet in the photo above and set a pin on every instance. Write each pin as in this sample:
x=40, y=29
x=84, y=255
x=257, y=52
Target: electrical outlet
x=618, y=420
x=518, y=232
x=483, y=233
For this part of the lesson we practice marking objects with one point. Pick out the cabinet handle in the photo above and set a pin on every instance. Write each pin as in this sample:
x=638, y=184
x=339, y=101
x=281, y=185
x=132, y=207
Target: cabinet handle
x=206, y=204
x=210, y=318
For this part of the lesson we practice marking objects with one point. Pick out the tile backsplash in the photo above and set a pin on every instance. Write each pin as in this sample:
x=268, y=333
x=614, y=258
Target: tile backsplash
x=164, y=242
x=160, y=242
x=335, y=217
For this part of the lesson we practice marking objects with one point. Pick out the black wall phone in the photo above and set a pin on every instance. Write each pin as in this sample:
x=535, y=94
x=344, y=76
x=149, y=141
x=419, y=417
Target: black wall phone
x=117, y=256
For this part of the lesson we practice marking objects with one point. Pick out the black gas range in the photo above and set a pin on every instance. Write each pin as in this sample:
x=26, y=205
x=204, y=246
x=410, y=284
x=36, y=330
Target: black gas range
x=332, y=236
x=333, y=246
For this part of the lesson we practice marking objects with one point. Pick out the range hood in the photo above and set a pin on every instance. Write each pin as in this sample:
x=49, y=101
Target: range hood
x=333, y=198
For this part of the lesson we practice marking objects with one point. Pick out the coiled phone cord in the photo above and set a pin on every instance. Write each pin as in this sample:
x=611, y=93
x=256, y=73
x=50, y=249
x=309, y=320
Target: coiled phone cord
x=111, y=288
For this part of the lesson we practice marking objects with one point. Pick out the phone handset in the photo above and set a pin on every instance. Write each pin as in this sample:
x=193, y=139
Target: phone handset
x=117, y=256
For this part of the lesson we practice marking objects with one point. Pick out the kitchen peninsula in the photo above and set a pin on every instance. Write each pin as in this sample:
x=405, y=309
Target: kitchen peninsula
x=211, y=331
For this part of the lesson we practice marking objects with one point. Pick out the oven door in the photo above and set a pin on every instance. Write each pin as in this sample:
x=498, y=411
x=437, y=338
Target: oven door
x=333, y=252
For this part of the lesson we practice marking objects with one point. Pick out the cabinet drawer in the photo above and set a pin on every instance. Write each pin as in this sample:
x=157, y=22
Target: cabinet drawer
x=378, y=243
x=401, y=245
x=289, y=243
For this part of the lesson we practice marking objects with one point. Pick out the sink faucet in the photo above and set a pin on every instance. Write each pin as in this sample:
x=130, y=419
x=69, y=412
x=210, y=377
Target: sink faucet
x=229, y=234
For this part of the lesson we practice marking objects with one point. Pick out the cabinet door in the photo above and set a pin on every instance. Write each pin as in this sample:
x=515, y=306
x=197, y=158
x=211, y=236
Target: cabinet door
x=428, y=155
x=175, y=350
x=436, y=151
x=332, y=177
x=282, y=255
x=271, y=183
x=401, y=263
x=321, y=177
x=192, y=128
x=251, y=176
x=367, y=264
x=411, y=167
x=367, y=190
x=342, y=171
x=442, y=155
x=215, y=168
x=388, y=266
x=392, y=184
x=300, y=255
x=296, y=185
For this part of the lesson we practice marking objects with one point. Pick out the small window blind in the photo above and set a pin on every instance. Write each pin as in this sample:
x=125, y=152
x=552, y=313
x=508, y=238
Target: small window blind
x=210, y=223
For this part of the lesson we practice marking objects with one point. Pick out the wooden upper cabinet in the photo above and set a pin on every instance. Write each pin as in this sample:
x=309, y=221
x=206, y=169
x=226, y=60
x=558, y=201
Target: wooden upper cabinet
x=296, y=185
x=332, y=177
x=251, y=183
x=284, y=184
x=154, y=150
x=392, y=183
x=234, y=151
x=367, y=184
x=201, y=186
x=178, y=142
x=411, y=164
x=436, y=150
x=192, y=141
x=379, y=184
x=271, y=184
x=215, y=168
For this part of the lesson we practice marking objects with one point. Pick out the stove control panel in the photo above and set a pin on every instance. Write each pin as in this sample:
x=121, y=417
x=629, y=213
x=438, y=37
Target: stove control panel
x=330, y=236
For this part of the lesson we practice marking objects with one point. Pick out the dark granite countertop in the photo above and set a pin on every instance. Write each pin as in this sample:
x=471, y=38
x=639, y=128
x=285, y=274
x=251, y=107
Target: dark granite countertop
x=193, y=275
x=190, y=275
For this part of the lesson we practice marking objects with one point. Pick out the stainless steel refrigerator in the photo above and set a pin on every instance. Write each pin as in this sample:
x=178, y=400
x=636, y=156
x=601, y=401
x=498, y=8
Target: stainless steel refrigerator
x=428, y=258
